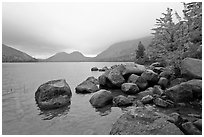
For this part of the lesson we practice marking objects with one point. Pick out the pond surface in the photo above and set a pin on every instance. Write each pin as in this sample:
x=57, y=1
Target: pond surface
x=20, y=114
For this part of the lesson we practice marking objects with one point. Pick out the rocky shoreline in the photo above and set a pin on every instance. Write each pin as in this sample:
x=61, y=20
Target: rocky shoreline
x=146, y=89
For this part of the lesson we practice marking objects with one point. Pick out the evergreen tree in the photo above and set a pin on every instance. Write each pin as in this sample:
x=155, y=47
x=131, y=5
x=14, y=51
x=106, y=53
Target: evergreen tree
x=140, y=52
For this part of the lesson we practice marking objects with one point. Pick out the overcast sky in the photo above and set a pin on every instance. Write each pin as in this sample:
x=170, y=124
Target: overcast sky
x=42, y=29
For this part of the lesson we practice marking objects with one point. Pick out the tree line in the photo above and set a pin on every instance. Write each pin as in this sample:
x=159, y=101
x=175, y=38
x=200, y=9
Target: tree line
x=174, y=40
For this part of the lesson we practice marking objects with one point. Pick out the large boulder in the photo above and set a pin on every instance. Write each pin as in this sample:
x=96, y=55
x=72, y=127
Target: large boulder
x=130, y=88
x=101, y=98
x=112, y=78
x=150, y=76
x=88, y=86
x=133, y=69
x=196, y=86
x=191, y=68
x=121, y=101
x=143, y=121
x=185, y=91
x=180, y=93
x=53, y=94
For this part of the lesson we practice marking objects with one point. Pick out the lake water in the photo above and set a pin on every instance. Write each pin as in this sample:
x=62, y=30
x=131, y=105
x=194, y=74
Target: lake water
x=20, y=114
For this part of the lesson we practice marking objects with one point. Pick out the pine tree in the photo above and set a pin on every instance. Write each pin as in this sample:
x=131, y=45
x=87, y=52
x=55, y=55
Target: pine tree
x=140, y=52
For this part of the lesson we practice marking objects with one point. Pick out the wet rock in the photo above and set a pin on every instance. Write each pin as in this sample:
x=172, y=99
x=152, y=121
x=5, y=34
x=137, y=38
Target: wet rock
x=121, y=101
x=103, y=69
x=88, y=86
x=158, y=70
x=177, y=81
x=190, y=129
x=186, y=91
x=131, y=97
x=130, y=88
x=180, y=93
x=141, y=83
x=196, y=86
x=101, y=98
x=161, y=103
x=163, y=82
x=112, y=78
x=133, y=78
x=157, y=90
x=93, y=80
x=53, y=94
x=148, y=91
x=198, y=124
x=176, y=119
x=191, y=68
x=195, y=115
x=150, y=76
x=94, y=69
x=147, y=99
x=143, y=121
x=167, y=73
x=157, y=64
x=133, y=69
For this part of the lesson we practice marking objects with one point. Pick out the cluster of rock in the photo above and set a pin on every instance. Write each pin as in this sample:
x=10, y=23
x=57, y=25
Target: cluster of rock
x=99, y=69
x=142, y=86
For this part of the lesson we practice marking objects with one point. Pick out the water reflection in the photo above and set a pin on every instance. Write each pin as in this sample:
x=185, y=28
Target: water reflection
x=104, y=110
x=50, y=114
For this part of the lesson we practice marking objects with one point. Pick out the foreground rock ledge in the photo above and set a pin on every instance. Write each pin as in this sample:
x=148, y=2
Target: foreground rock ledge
x=143, y=121
x=53, y=94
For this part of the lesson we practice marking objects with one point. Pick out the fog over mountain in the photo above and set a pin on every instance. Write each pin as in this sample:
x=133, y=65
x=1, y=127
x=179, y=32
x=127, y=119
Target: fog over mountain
x=10, y=54
x=44, y=29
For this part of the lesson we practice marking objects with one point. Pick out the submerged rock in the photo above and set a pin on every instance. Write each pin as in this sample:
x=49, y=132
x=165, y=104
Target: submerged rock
x=101, y=98
x=191, y=68
x=88, y=86
x=94, y=69
x=53, y=94
x=103, y=69
x=143, y=121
